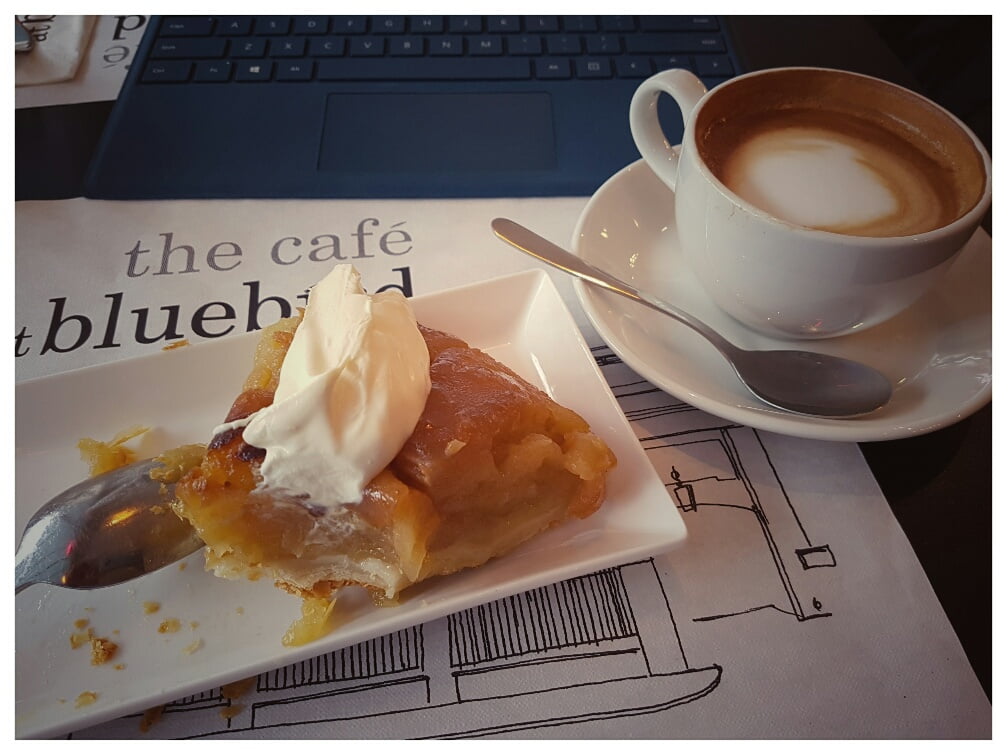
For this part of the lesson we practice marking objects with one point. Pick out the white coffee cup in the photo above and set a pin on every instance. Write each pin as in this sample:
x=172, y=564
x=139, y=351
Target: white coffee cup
x=813, y=203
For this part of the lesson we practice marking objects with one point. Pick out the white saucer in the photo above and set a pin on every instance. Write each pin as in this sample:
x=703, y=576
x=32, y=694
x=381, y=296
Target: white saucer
x=937, y=354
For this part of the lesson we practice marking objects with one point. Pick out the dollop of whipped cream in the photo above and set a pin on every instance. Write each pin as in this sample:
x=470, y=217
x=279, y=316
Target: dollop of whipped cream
x=352, y=387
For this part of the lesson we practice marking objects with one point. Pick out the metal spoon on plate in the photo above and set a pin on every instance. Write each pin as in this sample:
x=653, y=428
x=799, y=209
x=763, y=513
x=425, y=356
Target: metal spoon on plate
x=807, y=383
x=105, y=530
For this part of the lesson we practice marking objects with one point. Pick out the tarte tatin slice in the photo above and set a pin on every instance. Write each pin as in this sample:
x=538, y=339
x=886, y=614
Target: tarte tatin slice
x=491, y=462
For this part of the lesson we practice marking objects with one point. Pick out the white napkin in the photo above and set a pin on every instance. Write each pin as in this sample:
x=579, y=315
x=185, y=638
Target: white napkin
x=60, y=44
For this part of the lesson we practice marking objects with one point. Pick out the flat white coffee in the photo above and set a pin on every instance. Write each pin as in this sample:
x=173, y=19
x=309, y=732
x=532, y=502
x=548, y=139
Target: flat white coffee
x=839, y=152
x=820, y=179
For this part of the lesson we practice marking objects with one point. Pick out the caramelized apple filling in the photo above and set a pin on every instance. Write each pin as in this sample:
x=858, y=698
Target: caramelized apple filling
x=492, y=462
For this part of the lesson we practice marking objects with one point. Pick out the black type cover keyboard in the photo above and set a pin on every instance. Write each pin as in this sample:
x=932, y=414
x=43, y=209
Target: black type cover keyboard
x=432, y=48
x=392, y=106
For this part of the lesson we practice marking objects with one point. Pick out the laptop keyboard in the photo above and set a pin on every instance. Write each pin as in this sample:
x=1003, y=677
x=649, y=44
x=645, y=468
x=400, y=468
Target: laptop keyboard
x=249, y=49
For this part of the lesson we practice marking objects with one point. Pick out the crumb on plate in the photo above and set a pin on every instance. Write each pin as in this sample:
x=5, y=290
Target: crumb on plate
x=313, y=623
x=103, y=456
x=102, y=650
x=170, y=625
x=81, y=639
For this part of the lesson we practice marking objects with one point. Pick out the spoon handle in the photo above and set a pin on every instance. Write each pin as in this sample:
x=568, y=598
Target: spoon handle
x=542, y=249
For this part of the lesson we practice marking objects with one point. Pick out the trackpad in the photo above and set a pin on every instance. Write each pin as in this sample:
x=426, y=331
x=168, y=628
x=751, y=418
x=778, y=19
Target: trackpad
x=441, y=132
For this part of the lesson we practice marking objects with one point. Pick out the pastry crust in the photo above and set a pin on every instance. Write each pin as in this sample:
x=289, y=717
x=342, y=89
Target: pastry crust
x=492, y=462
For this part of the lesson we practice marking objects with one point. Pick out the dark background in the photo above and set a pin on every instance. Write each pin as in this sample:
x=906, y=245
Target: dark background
x=939, y=485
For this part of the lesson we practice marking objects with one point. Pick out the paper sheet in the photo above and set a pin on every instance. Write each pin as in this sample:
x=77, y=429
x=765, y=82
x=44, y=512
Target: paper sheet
x=796, y=608
x=111, y=43
x=60, y=44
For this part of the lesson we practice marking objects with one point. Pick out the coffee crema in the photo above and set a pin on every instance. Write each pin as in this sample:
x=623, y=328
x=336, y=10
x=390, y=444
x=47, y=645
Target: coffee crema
x=837, y=152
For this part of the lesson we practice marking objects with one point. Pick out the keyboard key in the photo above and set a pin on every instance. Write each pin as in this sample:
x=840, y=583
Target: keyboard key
x=602, y=44
x=678, y=23
x=311, y=25
x=465, y=24
x=406, y=46
x=237, y=26
x=618, y=23
x=633, y=67
x=253, y=70
x=248, y=48
x=552, y=68
x=349, y=25
x=563, y=44
x=427, y=24
x=287, y=47
x=579, y=23
x=422, y=69
x=272, y=25
x=294, y=70
x=592, y=68
x=186, y=26
x=673, y=43
x=164, y=71
x=542, y=24
x=212, y=70
x=189, y=47
x=710, y=43
x=714, y=65
x=524, y=44
x=389, y=24
x=369, y=46
x=445, y=46
x=501, y=24
x=485, y=45
x=663, y=62
x=326, y=46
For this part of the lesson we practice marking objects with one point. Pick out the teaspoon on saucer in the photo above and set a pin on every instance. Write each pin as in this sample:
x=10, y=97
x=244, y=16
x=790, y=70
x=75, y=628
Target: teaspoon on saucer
x=799, y=381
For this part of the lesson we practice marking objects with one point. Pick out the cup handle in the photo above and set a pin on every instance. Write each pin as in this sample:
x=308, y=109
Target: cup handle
x=686, y=89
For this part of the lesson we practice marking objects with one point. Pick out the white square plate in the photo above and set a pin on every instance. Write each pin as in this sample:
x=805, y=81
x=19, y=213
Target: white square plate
x=231, y=630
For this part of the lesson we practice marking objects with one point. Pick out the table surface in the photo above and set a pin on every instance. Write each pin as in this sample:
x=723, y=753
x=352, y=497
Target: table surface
x=54, y=145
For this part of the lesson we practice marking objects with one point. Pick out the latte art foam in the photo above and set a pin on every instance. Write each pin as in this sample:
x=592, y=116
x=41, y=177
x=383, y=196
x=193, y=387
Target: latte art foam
x=839, y=152
x=819, y=179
